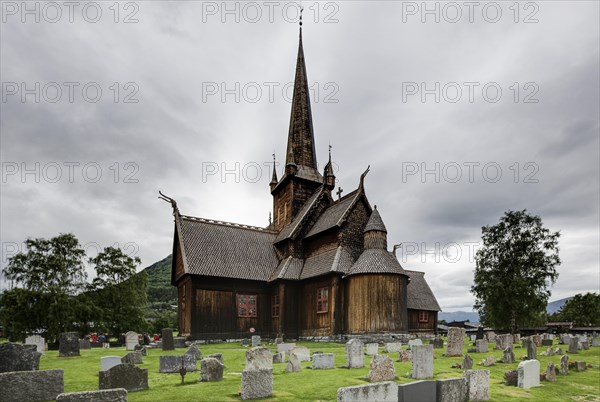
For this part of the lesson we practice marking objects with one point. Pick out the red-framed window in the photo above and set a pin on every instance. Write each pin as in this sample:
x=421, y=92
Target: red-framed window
x=423, y=316
x=322, y=300
x=275, y=306
x=246, y=305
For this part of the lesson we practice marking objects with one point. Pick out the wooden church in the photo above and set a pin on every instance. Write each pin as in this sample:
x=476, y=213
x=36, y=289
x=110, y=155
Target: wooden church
x=321, y=268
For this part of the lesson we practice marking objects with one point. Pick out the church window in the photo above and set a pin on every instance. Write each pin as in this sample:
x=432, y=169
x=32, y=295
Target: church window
x=423, y=316
x=275, y=305
x=322, y=300
x=246, y=305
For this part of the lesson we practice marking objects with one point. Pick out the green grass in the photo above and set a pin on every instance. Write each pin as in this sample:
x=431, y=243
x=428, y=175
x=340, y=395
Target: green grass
x=81, y=374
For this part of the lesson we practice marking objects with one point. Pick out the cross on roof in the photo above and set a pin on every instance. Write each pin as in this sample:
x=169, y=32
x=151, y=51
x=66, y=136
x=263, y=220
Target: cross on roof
x=339, y=192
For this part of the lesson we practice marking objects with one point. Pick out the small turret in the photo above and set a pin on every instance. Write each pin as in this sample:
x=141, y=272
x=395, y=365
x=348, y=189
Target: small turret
x=274, y=180
x=328, y=176
x=375, y=233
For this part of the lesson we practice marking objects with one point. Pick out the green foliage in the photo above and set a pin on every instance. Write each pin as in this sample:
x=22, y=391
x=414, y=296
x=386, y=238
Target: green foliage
x=514, y=268
x=162, y=319
x=583, y=310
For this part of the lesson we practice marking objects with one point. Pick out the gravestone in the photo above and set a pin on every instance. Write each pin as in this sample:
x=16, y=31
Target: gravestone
x=293, y=365
x=509, y=356
x=558, y=351
x=323, y=361
x=529, y=374
x=438, y=342
x=246, y=342
x=255, y=340
x=85, y=344
x=564, y=339
x=392, y=347
x=170, y=364
x=127, y=376
x=285, y=347
x=68, y=344
x=278, y=341
x=546, y=342
x=278, y=357
x=467, y=363
x=194, y=351
x=452, y=390
x=211, y=370
x=405, y=356
x=258, y=358
x=491, y=336
x=564, y=365
x=189, y=362
x=503, y=341
x=416, y=391
x=131, y=340
x=473, y=337
x=481, y=346
x=422, y=364
x=573, y=345
x=414, y=342
x=257, y=383
x=516, y=338
x=585, y=345
x=456, y=339
x=38, y=341
x=218, y=356
x=355, y=354
x=179, y=342
x=372, y=349
x=489, y=361
x=537, y=339
x=108, y=362
x=595, y=342
x=167, y=339
x=549, y=352
x=550, y=372
x=580, y=366
x=380, y=392
x=18, y=357
x=479, y=333
x=302, y=353
x=31, y=386
x=132, y=358
x=511, y=377
x=478, y=385
x=382, y=369
x=105, y=395
x=531, y=348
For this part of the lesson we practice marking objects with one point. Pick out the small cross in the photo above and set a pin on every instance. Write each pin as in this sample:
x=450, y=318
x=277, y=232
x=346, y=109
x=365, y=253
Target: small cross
x=339, y=192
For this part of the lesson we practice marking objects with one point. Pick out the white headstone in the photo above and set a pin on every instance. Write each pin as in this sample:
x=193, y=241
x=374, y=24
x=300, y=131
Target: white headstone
x=414, y=342
x=372, y=349
x=529, y=374
x=422, y=362
x=38, y=341
x=355, y=354
x=392, y=347
x=131, y=340
x=108, y=362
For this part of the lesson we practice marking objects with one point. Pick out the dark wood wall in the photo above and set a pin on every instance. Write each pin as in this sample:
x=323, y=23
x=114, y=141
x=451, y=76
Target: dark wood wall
x=415, y=326
x=311, y=322
x=185, y=305
x=376, y=303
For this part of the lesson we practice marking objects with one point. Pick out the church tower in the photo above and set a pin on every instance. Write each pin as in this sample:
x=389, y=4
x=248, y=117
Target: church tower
x=301, y=177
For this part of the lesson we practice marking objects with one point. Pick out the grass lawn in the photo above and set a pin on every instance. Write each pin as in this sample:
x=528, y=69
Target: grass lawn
x=81, y=374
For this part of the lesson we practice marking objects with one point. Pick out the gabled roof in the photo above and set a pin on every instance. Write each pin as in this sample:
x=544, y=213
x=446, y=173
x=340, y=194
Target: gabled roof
x=335, y=214
x=223, y=249
x=420, y=296
x=288, y=268
x=376, y=261
x=375, y=222
x=336, y=260
x=290, y=230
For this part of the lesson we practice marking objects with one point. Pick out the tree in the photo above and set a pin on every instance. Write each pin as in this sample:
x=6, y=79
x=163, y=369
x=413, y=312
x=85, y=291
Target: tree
x=583, y=310
x=47, y=276
x=118, y=292
x=514, y=268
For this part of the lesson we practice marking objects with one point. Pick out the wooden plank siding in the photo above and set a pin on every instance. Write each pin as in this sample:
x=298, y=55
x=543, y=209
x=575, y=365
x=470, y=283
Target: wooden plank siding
x=313, y=323
x=375, y=303
x=185, y=305
x=415, y=326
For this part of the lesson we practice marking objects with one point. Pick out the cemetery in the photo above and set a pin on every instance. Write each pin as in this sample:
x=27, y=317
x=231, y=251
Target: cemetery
x=326, y=371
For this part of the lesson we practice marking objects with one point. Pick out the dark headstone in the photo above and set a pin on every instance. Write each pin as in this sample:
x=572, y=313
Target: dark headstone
x=31, y=386
x=467, y=363
x=105, y=395
x=167, y=339
x=417, y=391
x=179, y=342
x=126, y=376
x=529, y=343
x=573, y=345
x=169, y=364
x=451, y=389
x=132, y=358
x=546, y=342
x=18, y=357
x=438, y=342
x=189, y=362
x=479, y=333
x=509, y=356
x=245, y=342
x=511, y=377
x=68, y=344
x=85, y=344
x=580, y=366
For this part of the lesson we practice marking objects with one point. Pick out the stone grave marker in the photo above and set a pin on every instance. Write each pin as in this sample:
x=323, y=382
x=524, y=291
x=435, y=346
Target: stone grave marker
x=481, y=346
x=456, y=339
x=30, y=386
x=279, y=357
x=416, y=391
x=478, y=385
x=372, y=349
x=414, y=342
x=491, y=336
x=131, y=340
x=438, y=342
x=194, y=351
x=246, y=342
x=550, y=372
x=18, y=357
x=355, y=354
x=564, y=365
x=391, y=347
x=293, y=365
x=167, y=339
x=573, y=345
x=531, y=348
x=285, y=347
x=255, y=340
x=382, y=369
x=105, y=395
x=258, y=358
x=537, y=339
x=546, y=342
x=503, y=341
x=422, y=363
x=189, y=362
x=509, y=356
x=85, y=344
x=489, y=361
x=467, y=363
x=302, y=353
x=218, y=356
x=452, y=389
x=68, y=344
x=179, y=342
x=529, y=374
x=278, y=341
x=595, y=342
x=132, y=358
x=580, y=366
x=127, y=376
x=323, y=361
x=257, y=383
x=380, y=392
x=169, y=364
x=405, y=356
x=585, y=345
x=38, y=341
x=211, y=370
x=479, y=333
x=108, y=362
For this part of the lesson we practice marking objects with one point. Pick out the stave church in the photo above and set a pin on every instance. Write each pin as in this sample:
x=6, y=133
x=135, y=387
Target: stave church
x=320, y=269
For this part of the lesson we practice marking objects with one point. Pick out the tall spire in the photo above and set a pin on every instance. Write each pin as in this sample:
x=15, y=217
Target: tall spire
x=301, y=140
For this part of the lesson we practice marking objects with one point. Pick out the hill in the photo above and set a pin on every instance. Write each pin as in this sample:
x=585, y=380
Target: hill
x=470, y=316
x=556, y=305
x=161, y=295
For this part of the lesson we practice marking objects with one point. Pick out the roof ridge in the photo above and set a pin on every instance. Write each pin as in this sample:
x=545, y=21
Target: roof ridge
x=416, y=272
x=350, y=194
x=230, y=224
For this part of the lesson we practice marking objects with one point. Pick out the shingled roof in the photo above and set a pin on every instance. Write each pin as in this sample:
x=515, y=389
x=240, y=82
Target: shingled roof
x=376, y=261
x=291, y=229
x=334, y=215
x=288, y=268
x=336, y=260
x=375, y=222
x=223, y=249
x=420, y=296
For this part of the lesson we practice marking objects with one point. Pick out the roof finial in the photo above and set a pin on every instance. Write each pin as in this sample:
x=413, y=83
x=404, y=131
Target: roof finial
x=301, y=9
x=330, y=152
x=274, y=175
x=362, y=178
x=170, y=200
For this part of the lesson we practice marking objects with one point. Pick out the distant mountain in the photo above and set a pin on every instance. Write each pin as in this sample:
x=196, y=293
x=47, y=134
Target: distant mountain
x=459, y=316
x=161, y=294
x=556, y=305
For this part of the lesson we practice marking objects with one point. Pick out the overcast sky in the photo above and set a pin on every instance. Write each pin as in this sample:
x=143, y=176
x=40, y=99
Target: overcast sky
x=462, y=112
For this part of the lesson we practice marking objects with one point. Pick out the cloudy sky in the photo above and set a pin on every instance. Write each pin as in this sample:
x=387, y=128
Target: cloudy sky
x=462, y=112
